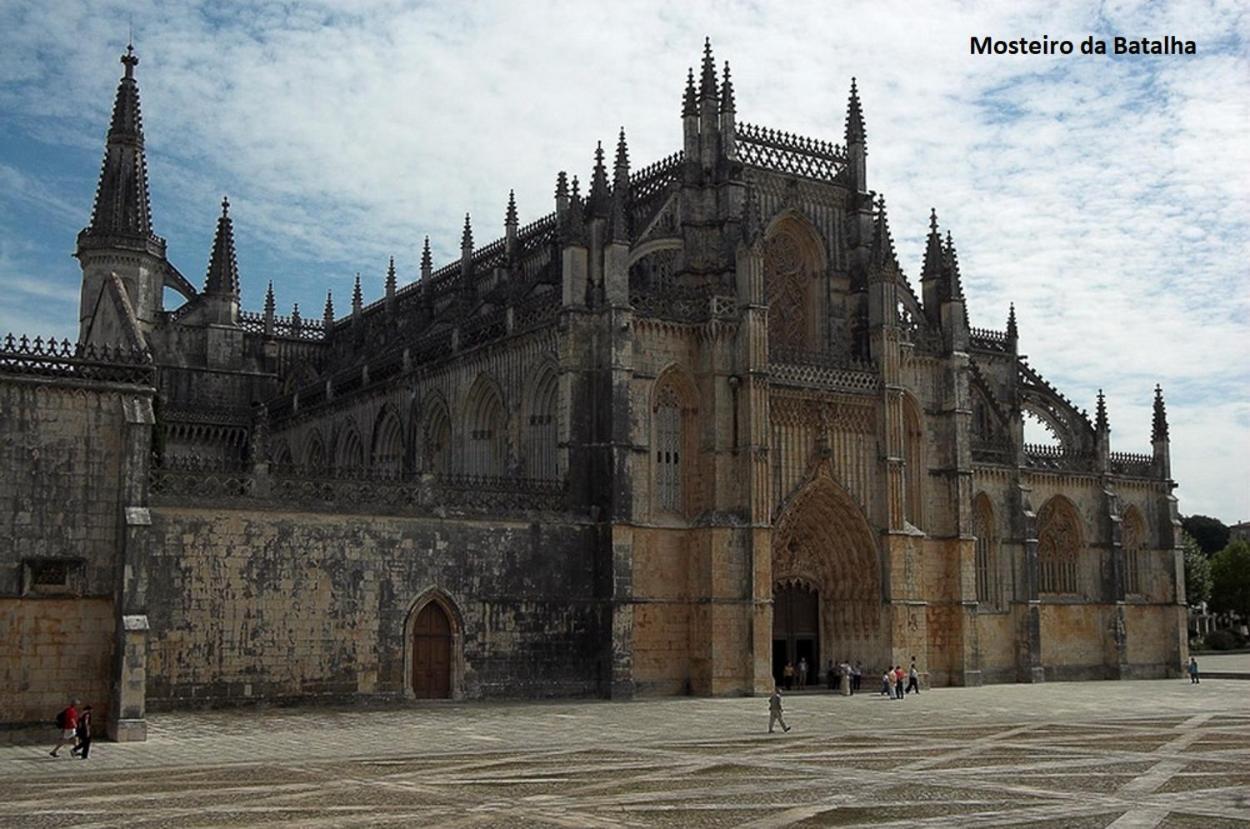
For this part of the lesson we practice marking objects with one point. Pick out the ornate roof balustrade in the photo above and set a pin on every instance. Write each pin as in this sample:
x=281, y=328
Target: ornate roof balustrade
x=1059, y=458
x=53, y=358
x=1133, y=463
x=835, y=372
x=788, y=153
x=986, y=339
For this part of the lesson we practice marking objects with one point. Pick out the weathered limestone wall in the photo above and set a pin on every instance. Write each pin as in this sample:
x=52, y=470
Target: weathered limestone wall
x=283, y=606
x=1075, y=641
x=51, y=650
x=62, y=456
x=997, y=635
x=662, y=623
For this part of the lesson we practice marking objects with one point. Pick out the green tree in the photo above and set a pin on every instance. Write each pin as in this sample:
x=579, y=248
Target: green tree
x=1210, y=533
x=1197, y=571
x=1230, y=578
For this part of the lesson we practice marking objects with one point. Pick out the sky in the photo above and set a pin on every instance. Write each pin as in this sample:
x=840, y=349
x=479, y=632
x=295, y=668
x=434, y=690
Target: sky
x=1107, y=197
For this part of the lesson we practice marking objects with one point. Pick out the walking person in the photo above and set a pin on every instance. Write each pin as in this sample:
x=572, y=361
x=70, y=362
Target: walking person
x=857, y=677
x=67, y=724
x=774, y=711
x=1193, y=671
x=831, y=677
x=83, y=749
x=802, y=672
x=899, y=676
x=913, y=678
x=887, y=683
x=788, y=675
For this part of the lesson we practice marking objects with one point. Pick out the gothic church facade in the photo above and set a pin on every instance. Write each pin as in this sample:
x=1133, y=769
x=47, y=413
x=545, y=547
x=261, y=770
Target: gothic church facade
x=691, y=424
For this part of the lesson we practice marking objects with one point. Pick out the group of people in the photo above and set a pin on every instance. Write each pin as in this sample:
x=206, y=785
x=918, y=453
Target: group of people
x=793, y=675
x=897, y=683
x=75, y=727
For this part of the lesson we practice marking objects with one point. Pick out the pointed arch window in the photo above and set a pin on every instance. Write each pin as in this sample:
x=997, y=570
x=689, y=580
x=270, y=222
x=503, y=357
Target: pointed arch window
x=435, y=457
x=1059, y=543
x=350, y=456
x=785, y=283
x=540, y=429
x=988, y=589
x=315, y=454
x=388, y=446
x=1132, y=532
x=668, y=450
x=486, y=432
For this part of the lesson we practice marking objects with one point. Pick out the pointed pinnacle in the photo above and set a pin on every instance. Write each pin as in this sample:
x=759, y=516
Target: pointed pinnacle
x=390, y=277
x=269, y=301
x=727, y=92
x=357, y=296
x=562, y=185
x=707, y=84
x=622, y=153
x=855, y=132
x=933, y=224
x=466, y=237
x=689, y=101
x=1100, y=414
x=329, y=311
x=1012, y=333
x=1159, y=420
x=510, y=214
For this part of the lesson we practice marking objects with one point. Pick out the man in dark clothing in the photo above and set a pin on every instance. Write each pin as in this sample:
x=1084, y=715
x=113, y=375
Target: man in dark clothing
x=83, y=749
x=913, y=677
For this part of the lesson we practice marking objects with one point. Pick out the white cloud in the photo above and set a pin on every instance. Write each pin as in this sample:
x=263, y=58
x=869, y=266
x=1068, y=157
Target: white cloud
x=1107, y=198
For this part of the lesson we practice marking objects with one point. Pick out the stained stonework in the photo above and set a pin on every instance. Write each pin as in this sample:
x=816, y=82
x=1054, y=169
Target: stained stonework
x=598, y=448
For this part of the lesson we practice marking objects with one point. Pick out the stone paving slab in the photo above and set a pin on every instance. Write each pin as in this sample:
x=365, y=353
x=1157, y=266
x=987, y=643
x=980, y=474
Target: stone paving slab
x=1123, y=754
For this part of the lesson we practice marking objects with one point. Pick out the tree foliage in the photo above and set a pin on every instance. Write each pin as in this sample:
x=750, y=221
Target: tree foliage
x=1210, y=533
x=1230, y=577
x=1197, y=571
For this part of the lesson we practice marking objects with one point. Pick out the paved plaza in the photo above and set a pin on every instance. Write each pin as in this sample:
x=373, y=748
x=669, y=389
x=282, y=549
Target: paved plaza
x=1123, y=754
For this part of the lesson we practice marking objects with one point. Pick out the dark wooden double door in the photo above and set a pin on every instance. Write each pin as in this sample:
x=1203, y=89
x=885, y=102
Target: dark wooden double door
x=796, y=630
x=431, y=653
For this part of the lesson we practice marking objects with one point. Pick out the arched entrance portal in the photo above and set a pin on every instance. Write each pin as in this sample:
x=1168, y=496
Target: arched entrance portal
x=827, y=582
x=796, y=628
x=431, y=653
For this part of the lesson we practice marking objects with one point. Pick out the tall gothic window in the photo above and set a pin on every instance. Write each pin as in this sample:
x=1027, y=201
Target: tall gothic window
x=388, y=445
x=914, y=472
x=436, y=441
x=988, y=590
x=315, y=454
x=349, y=455
x=784, y=281
x=1059, y=544
x=668, y=450
x=485, y=432
x=1132, y=532
x=540, y=437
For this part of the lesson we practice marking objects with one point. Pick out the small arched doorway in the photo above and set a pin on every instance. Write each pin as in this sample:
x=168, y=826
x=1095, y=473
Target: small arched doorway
x=431, y=653
x=796, y=628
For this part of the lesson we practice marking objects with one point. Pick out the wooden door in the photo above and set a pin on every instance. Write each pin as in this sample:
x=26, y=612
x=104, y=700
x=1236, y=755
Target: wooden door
x=431, y=653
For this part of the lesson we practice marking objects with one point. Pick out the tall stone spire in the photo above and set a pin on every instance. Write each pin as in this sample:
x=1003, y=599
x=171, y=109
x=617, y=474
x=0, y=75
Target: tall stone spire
x=466, y=237
x=328, y=314
x=270, y=307
x=707, y=81
x=223, y=267
x=598, y=198
x=690, y=121
x=510, y=226
x=884, y=259
x=620, y=167
x=931, y=272
x=392, y=283
x=856, y=142
x=358, y=299
x=620, y=191
x=118, y=241
x=122, y=209
x=953, y=287
x=1013, y=333
x=728, y=126
x=1159, y=422
x=562, y=195
x=427, y=261
x=1101, y=423
x=690, y=101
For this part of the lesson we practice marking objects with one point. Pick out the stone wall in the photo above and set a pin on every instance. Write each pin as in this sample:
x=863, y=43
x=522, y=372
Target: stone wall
x=282, y=606
x=64, y=456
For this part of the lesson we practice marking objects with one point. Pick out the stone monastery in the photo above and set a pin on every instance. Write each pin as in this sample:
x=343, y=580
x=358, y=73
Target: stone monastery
x=688, y=426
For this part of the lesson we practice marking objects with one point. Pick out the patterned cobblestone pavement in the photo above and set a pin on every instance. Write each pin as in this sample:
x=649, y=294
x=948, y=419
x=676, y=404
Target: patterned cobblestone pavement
x=1120, y=754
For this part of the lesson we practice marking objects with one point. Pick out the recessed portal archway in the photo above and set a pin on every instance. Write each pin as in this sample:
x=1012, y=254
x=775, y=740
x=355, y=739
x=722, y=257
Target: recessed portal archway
x=825, y=562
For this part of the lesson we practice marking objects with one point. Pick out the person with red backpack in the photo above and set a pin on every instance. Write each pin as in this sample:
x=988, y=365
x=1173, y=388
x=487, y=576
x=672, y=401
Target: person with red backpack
x=67, y=723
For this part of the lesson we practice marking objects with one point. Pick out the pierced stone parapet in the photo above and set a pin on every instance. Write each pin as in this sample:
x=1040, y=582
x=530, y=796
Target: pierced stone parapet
x=53, y=358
